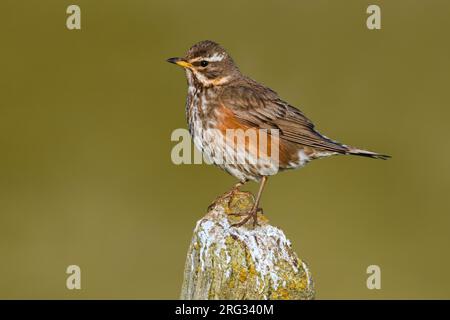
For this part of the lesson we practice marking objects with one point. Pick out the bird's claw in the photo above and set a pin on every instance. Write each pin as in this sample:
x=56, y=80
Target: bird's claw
x=227, y=195
x=253, y=213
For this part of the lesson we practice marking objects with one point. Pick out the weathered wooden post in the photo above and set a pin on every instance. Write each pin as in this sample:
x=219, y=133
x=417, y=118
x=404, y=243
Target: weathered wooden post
x=225, y=262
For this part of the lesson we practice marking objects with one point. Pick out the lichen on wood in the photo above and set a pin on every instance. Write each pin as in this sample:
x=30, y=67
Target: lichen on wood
x=225, y=262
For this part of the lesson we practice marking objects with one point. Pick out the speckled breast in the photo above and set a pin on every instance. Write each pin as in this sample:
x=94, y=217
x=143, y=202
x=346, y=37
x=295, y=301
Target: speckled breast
x=215, y=135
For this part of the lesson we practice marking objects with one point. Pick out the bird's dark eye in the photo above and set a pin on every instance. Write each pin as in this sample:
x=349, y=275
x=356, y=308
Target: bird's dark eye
x=204, y=63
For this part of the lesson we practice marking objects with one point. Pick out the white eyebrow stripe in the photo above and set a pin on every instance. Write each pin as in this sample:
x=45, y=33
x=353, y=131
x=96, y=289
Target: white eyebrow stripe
x=216, y=57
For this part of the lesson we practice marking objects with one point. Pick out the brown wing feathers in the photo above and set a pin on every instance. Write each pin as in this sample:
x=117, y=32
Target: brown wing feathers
x=263, y=109
x=256, y=106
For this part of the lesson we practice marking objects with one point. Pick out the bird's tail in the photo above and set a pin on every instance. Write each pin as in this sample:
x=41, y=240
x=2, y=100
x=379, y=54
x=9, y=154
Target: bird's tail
x=365, y=153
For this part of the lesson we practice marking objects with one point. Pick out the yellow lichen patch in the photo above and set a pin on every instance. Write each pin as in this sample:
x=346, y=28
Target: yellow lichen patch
x=239, y=202
x=252, y=270
x=242, y=201
x=303, y=283
x=229, y=240
x=280, y=294
x=243, y=275
x=262, y=218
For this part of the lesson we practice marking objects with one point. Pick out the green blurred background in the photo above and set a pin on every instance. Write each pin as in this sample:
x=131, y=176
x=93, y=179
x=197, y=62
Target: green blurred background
x=86, y=117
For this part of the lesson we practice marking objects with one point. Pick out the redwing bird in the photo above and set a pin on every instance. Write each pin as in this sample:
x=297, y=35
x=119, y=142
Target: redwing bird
x=220, y=98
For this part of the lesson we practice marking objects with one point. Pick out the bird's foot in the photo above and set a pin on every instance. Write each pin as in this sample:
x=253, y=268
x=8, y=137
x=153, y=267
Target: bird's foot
x=253, y=213
x=227, y=195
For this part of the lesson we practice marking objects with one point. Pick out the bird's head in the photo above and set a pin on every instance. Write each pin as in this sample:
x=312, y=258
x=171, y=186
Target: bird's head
x=208, y=63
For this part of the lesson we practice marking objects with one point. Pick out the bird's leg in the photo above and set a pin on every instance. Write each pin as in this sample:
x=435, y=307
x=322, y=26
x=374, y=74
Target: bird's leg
x=253, y=213
x=237, y=188
x=228, y=194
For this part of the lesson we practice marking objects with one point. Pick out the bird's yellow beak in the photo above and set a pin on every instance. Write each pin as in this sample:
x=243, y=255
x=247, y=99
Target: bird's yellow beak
x=180, y=61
